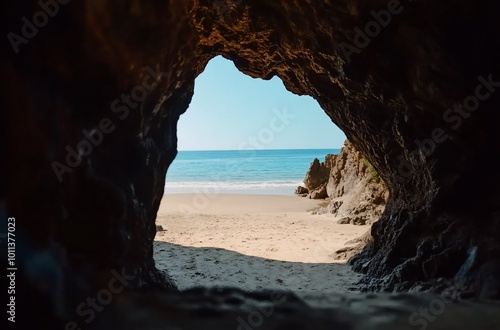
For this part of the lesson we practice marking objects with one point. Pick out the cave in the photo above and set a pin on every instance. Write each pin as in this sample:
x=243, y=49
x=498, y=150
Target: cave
x=92, y=92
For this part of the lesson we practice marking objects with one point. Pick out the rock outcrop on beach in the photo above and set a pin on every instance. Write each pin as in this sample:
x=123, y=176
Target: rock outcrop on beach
x=92, y=94
x=301, y=191
x=357, y=193
x=317, y=175
x=316, y=179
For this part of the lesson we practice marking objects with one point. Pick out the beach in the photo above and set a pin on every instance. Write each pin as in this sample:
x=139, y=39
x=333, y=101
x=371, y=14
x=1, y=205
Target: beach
x=253, y=242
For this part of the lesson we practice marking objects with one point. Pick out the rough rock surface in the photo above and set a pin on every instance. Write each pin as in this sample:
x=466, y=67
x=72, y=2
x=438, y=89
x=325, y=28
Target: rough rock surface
x=319, y=192
x=316, y=179
x=358, y=194
x=353, y=247
x=301, y=191
x=419, y=99
x=316, y=175
x=234, y=309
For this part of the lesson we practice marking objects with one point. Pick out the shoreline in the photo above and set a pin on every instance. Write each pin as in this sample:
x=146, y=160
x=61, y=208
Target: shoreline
x=236, y=203
x=253, y=242
x=227, y=190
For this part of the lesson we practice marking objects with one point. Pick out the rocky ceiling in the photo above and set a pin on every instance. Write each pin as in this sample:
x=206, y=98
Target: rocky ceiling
x=92, y=91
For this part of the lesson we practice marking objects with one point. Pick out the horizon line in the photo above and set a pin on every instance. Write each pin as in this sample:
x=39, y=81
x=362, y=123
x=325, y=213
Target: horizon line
x=258, y=149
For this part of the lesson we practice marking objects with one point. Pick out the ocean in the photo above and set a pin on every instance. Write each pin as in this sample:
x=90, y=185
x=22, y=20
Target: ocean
x=274, y=172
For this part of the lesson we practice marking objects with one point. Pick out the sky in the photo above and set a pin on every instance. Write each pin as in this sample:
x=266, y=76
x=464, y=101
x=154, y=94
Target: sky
x=232, y=111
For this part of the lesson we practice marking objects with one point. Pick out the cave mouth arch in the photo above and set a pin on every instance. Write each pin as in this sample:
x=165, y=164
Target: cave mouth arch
x=442, y=219
x=231, y=111
x=203, y=228
x=391, y=102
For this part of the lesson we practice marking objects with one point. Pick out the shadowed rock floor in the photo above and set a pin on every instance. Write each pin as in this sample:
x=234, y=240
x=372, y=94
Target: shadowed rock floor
x=234, y=309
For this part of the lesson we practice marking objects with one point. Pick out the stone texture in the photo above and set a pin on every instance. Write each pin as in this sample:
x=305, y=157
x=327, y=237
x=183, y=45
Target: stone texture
x=235, y=309
x=316, y=175
x=390, y=98
x=358, y=194
x=301, y=191
x=319, y=192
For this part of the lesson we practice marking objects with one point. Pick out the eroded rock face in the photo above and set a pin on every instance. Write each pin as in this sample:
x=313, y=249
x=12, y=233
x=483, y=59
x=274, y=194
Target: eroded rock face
x=317, y=175
x=358, y=194
x=392, y=97
x=301, y=191
x=133, y=63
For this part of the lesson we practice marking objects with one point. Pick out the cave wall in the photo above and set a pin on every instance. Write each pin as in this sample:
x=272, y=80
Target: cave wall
x=442, y=217
x=395, y=97
x=91, y=115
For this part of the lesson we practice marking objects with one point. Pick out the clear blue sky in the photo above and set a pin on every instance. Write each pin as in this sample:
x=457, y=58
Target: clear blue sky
x=231, y=111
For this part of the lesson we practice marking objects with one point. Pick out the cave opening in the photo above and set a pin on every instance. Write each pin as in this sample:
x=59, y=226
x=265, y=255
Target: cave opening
x=230, y=111
x=394, y=98
x=229, y=216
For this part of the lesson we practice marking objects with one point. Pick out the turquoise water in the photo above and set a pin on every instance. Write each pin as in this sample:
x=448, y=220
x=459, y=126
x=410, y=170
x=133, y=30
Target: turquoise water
x=276, y=172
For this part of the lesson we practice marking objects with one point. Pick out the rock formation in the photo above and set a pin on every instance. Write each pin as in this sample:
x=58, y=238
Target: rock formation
x=319, y=192
x=92, y=94
x=301, y=191
x=317, y=174
x=316, y=180
x=357, y=192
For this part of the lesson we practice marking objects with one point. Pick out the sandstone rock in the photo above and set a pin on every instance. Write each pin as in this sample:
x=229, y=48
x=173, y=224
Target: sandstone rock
x=301, y=191
x=356, y=220
x=319, y=192
x=334, y=206
x=358, y=195
x=316, y=175
x=344, y=221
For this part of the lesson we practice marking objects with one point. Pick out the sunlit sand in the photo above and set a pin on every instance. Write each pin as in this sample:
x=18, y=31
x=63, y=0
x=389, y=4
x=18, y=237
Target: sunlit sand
x=252, y=242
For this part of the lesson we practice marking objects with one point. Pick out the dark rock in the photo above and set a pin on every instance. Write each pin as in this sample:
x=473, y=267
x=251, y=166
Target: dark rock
x=216, y=309
x=355, y=220
x=488, y=281
x=159, y=228
x=301, y=191
x=319, y=192
x=317, y=175
x=394, y=100
x=344, y=221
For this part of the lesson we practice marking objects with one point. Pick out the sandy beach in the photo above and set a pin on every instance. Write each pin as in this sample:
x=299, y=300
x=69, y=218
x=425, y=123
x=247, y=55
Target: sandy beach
x=253, y=242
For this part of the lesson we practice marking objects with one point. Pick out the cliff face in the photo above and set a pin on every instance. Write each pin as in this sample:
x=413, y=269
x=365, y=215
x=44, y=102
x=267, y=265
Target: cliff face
x=316, y=179
x=358, y=194
x=91, y=99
